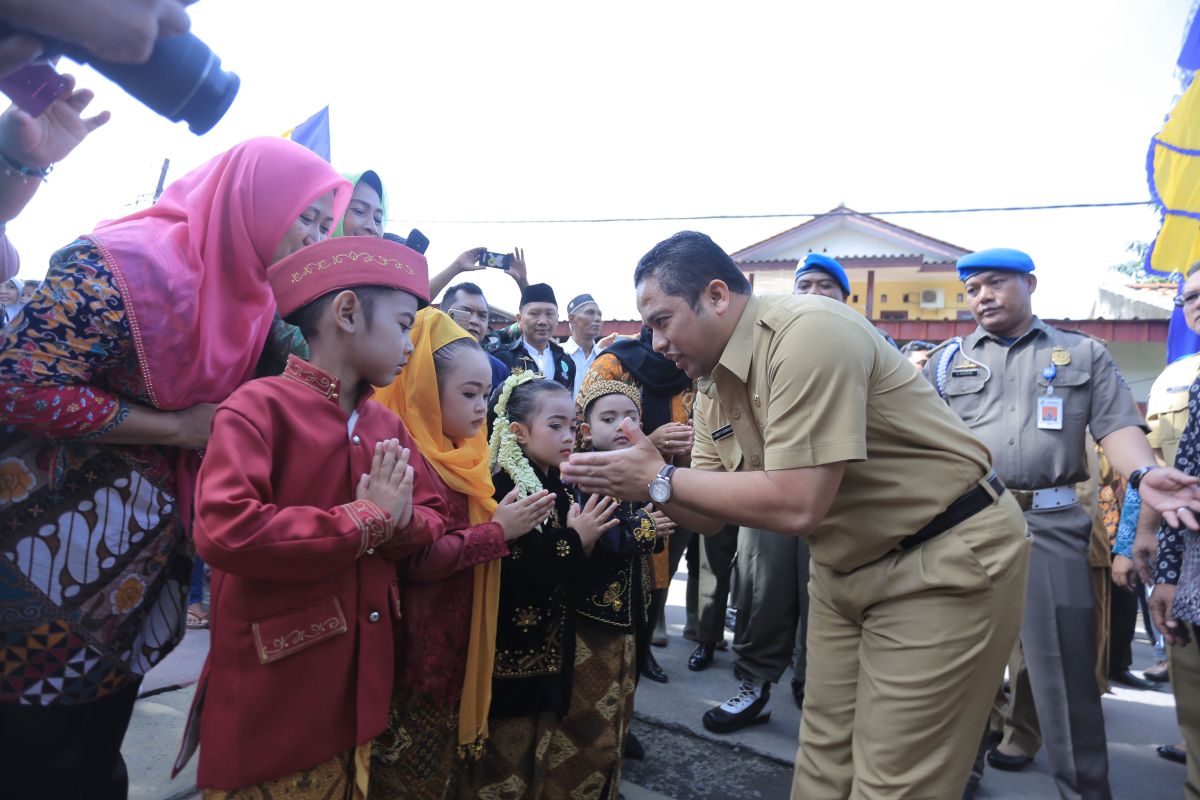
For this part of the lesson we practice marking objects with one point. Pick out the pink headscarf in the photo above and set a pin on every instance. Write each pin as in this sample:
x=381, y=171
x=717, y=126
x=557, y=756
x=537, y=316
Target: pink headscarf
x=192, y=269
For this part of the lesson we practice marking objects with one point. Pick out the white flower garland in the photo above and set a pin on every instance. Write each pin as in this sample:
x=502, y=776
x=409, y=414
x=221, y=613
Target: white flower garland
x=503, y=448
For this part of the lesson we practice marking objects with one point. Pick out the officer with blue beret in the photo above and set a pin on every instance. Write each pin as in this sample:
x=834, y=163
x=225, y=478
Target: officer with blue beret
x=1030, y=392
x=820, y=274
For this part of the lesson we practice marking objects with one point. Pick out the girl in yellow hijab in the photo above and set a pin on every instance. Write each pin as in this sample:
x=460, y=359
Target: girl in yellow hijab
x=449, y=591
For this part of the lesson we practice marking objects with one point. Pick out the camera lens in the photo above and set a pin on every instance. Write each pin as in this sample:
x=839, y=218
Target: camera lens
x=183, y=80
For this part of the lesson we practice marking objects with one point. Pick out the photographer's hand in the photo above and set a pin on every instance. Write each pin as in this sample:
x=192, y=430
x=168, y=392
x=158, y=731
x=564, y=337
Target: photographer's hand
x=123, y=31
x=42, y=141
x=49, y=138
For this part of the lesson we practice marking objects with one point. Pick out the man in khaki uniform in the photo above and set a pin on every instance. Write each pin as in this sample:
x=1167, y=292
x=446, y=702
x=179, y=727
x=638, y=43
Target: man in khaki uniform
x=1031, y=392
x=918, y=552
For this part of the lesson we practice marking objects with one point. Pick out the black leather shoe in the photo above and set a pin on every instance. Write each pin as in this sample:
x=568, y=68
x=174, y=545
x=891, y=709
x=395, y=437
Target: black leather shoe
x=633, y=748
x=651, y=669
x=1008, y=763
x=747, y=707
x=701, y=657
x=798, y=693
x=1172, y=753
x=1127, y=678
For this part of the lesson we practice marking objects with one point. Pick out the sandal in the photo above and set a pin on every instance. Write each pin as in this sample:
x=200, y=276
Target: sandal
x=197, y=619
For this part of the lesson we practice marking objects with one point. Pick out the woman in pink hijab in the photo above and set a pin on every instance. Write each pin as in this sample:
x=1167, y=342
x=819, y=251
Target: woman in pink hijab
x=108, y=382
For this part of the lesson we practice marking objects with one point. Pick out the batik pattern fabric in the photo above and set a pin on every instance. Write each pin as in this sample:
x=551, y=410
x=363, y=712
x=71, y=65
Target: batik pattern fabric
x=343, y=777
x=579, y=756
x=94, y=564
x=1171, y=541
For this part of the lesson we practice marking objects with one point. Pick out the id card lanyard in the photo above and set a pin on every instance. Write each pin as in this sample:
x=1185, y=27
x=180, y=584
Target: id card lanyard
x=1050, y=405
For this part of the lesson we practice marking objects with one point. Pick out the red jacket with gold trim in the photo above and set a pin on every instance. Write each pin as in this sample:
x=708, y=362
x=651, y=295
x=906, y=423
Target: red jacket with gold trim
x=305, y=604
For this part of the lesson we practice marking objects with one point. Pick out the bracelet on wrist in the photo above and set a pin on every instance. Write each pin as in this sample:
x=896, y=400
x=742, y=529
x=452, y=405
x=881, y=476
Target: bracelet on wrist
x=14, y=167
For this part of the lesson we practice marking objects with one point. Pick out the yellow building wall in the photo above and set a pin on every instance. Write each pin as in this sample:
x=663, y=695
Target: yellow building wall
x=781, y=282
x=894, y=292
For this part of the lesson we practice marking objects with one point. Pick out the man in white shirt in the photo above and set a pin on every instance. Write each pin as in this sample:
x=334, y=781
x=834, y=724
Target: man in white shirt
x=584, y=319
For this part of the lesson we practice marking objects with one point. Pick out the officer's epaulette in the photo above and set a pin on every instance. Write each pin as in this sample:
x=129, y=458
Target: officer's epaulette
x=1085, y=334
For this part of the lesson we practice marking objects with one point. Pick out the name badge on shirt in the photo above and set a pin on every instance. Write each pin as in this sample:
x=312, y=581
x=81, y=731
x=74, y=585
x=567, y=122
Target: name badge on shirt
x=1050, y=413
x=722, y=432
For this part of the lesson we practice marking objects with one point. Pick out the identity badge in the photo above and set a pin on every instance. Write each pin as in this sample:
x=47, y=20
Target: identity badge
x=1050, y=413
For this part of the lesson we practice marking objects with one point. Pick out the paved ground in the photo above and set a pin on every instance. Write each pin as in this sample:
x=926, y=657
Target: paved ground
x=685, y=761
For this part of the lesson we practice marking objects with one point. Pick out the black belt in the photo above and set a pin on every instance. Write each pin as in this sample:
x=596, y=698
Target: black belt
x=962, y=509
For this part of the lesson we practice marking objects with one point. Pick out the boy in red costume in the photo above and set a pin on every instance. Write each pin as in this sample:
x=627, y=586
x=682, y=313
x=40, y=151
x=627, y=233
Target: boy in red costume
x=307, y=495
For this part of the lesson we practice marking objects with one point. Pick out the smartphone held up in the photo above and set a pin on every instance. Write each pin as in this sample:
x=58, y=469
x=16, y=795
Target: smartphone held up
x=496, y=260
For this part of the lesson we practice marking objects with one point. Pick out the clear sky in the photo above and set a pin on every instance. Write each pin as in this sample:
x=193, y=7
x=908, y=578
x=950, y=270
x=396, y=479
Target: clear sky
x=552, y=110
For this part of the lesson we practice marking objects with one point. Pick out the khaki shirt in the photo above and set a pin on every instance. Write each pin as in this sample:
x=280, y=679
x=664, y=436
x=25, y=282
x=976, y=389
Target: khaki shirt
x=994, y=388
x=806, y=381
x=1167, y=406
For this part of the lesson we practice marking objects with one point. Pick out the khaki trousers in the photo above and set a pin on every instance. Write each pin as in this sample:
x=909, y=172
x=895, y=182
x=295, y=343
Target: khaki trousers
x=1185, y=679
x=904, y=656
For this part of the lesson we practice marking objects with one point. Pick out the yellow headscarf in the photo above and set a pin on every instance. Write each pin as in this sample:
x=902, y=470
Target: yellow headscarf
x=463, y=466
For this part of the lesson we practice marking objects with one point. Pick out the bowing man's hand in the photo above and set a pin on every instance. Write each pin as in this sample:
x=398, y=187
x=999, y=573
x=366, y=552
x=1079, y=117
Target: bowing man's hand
x=1174, y=494
x=617, y=473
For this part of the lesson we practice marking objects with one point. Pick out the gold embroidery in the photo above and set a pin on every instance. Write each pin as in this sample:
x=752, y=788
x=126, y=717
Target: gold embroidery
x=612, y=596
x=646, y=530
x=299, y=370
x=297, y=639
x=544, y=658
x=313, y=267
x=374, y=525
x=515, y=551
x=562, y=548
x=526, y=618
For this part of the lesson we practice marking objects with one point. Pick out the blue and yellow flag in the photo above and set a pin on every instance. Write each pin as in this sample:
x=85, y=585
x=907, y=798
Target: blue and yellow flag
x=313, y=133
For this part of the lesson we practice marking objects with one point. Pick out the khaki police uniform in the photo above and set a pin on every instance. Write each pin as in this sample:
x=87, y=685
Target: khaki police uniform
x=995, y=389
x=905, y=646
x=1167, y=416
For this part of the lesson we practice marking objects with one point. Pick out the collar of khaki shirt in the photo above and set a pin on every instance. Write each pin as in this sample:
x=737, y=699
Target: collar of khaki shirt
x=735, y=358
x=979, y=334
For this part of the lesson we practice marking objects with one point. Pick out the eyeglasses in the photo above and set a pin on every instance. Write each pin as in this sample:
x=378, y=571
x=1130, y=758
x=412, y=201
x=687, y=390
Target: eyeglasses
x=1187, y=299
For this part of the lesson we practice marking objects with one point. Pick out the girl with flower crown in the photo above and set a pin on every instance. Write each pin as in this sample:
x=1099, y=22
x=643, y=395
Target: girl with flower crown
x=449, y=590
x=532, y=434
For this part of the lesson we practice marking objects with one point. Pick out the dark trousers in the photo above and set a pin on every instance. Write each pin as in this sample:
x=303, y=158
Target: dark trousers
x=66, y=752
x=710, y=564
x=1122, y=621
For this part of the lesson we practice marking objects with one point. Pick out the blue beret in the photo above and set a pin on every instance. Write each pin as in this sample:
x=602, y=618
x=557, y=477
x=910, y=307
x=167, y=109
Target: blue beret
x=1004, y=259
x=816, y=261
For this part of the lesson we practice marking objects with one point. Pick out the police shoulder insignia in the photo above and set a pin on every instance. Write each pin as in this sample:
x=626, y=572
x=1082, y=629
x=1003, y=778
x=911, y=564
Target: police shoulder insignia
x=1061, y=357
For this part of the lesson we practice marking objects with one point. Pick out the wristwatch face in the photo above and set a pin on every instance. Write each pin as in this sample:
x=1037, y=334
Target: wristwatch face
x=660, y=490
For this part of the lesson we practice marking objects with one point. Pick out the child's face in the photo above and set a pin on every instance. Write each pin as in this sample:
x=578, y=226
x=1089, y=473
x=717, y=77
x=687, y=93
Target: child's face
x=381, y=349
x=28, y=292
x=549, y=436
x=463, y=393
x=603, y=425
x=8, y=293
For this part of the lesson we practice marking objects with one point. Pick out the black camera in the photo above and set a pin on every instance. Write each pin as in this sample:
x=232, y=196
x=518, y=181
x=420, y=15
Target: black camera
x=183, y=80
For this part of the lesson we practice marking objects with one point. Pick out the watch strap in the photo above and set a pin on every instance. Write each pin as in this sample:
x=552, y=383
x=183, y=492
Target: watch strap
x=1135, y=477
